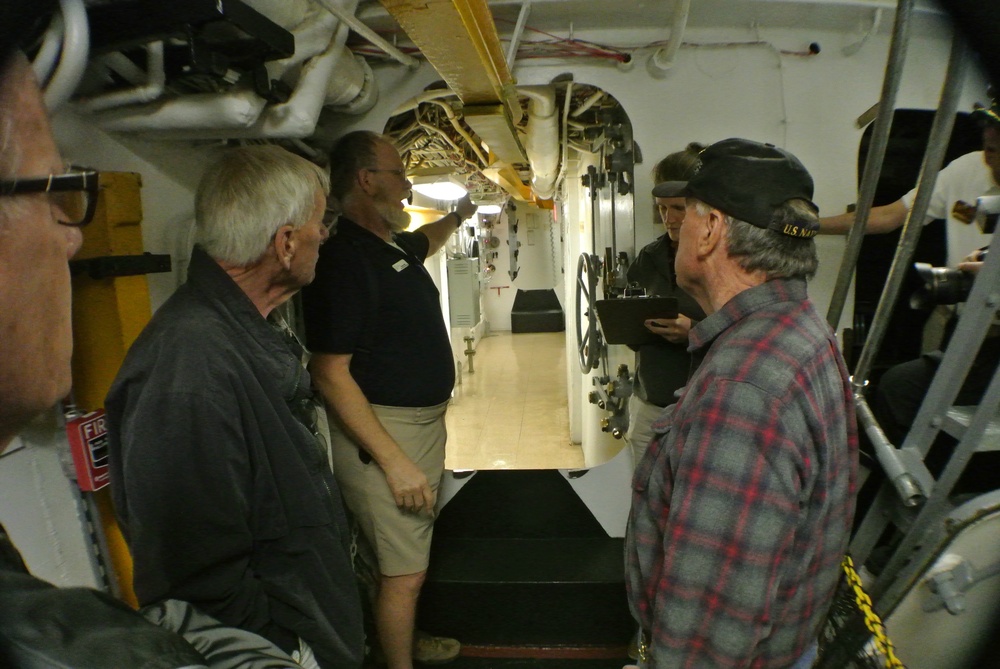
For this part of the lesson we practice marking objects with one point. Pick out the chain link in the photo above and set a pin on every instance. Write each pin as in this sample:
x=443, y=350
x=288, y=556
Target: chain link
x=874, y=624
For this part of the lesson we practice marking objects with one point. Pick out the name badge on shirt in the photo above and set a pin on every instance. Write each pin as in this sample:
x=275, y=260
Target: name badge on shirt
x=400, y=265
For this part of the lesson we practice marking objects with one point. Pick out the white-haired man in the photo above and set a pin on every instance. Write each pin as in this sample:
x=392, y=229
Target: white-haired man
x=222, y=487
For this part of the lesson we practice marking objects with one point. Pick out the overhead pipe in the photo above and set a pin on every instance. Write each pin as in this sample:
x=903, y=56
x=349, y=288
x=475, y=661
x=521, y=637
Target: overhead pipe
x=219, y=113
x=245, y=115
x=515, y=38
x=366, y=98
x=296, y=118
x=565, y=134
x=420, y=98
x=588, y=103
x=48, y=54
x=73, y=57
x=542, y=140
x=450, y=113
x=156, y=79
x=663, y=59
x=369, y=34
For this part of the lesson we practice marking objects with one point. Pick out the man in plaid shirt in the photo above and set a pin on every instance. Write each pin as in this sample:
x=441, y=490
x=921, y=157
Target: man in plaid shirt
x=742, y=505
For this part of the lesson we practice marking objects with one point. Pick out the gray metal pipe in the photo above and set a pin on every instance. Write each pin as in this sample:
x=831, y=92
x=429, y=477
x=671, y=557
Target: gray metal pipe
x=937, y=146
x=873, y=162
x=892, y=464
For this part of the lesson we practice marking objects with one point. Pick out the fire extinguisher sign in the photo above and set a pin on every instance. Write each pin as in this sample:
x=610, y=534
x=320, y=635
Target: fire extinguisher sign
x=88, y=442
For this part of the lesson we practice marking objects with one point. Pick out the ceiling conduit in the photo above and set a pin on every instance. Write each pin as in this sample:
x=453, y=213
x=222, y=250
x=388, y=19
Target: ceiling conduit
x=320, y=42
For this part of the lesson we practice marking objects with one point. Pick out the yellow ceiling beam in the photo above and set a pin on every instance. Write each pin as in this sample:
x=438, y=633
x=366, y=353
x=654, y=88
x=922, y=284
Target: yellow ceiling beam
x=459, y=38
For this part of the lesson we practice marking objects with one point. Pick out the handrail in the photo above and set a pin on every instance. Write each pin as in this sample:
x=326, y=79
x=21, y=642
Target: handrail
x=937, y=146
x=873, y=162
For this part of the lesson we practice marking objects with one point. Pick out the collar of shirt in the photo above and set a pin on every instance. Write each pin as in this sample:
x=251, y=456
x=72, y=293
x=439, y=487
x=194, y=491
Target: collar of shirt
x=275, y=356
x=739, y=307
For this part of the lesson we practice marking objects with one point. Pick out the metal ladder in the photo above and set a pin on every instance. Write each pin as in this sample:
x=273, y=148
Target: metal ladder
x=911, y=499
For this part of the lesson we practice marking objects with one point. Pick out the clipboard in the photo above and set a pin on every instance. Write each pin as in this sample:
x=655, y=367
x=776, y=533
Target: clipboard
x=622, y=319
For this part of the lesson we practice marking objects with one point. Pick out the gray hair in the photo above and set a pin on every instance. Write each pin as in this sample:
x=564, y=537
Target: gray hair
x=778, y=256
x=249, y=193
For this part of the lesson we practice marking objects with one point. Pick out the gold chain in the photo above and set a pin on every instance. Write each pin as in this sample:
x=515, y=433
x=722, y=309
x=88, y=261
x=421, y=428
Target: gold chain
x=872, y=621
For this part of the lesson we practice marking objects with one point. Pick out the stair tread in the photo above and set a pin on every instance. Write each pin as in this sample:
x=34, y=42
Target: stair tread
x=547, y=560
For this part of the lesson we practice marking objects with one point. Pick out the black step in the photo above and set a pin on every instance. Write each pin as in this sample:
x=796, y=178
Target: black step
x=519, y=560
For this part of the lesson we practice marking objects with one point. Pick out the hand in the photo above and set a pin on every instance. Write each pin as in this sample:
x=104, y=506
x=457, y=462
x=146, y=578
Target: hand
x=674, y=330
x=970, y=266
x=464, y=208
x=409, y=487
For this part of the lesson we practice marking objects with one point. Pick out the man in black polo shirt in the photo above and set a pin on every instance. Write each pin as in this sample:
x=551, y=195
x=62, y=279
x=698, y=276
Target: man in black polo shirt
x=383, y=362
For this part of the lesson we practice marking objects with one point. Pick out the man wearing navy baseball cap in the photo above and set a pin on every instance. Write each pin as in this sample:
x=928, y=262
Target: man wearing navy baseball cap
x=742, y=507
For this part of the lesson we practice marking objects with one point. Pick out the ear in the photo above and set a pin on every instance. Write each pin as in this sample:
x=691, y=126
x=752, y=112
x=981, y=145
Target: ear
x=285, y=244
x=712, y=236
x=364, y=179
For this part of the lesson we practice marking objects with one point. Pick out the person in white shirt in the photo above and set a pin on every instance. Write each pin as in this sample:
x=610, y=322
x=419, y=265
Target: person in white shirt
x=956, y=190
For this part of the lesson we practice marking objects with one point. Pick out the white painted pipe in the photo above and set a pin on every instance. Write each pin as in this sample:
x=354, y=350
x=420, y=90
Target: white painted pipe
x=588, y=103
x=369, y=34
x=368, y=95
x=73, y=58
x=153, y=88
x=663, y=59
x=231, y=115
x=216, y=112
x=542, y=139
x=48, y=55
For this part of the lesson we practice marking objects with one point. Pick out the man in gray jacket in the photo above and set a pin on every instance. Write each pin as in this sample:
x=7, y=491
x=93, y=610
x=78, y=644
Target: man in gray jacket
x=222, y=486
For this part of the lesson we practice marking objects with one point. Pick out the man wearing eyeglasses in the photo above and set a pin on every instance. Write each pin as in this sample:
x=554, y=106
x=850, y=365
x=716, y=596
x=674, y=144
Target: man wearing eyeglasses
x=221, y=484
x=39, y=209
x=383, y=362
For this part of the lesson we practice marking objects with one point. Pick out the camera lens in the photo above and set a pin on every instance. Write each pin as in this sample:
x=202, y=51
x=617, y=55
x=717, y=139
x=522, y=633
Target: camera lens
x=942, y=285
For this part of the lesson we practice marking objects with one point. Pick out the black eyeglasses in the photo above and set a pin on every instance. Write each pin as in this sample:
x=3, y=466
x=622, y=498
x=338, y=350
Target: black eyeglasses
x=399, y=173
x=73, y=194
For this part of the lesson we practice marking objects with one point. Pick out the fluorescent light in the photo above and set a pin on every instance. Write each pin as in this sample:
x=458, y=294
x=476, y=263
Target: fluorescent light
x=438, y=186
x=441, y=190
x=489, y=209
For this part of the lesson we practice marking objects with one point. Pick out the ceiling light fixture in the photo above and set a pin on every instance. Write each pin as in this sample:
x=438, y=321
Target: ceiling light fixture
x=444, y=187
x=489, y=209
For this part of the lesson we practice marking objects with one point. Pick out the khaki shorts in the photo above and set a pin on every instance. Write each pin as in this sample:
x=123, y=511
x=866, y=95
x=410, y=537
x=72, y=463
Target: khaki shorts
x=401, y=540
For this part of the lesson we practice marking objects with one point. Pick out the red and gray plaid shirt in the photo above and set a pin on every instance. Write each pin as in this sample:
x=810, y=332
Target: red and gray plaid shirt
x=742, y=505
